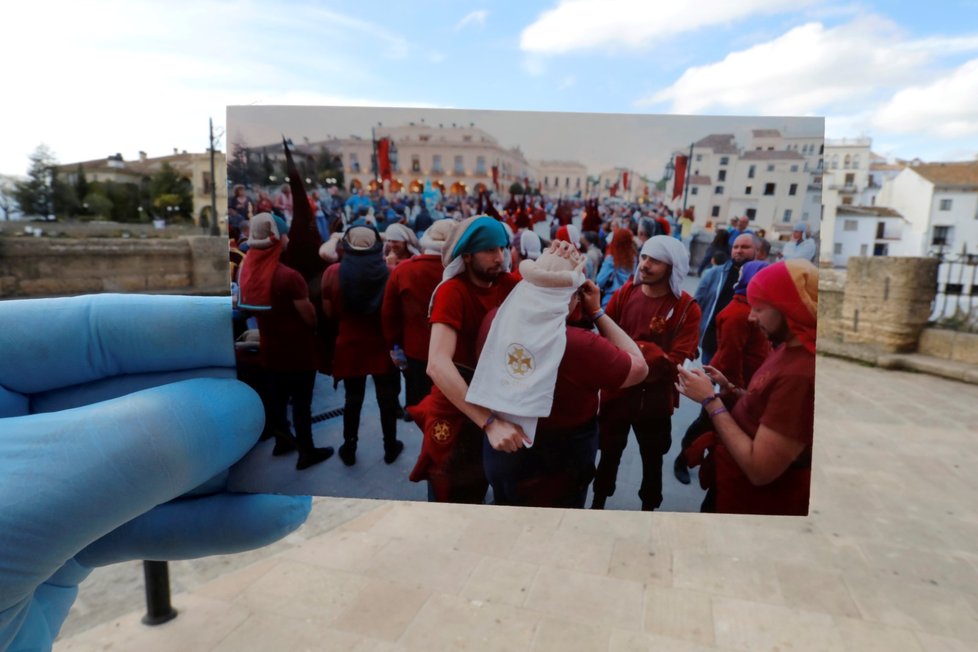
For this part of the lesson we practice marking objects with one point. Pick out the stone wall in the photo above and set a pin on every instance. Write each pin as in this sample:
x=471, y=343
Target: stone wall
x=44, y=267
x=950, y=345
x=831, y=291
x=887, y=301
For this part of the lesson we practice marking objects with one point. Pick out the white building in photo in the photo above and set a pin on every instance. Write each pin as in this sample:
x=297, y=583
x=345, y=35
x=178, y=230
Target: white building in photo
x=866, y=231
x=770, y=184
x=561, y=178
x=940, y=203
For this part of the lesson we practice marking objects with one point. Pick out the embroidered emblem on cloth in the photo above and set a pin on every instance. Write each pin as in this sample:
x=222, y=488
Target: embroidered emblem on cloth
x=519, y=361
x=441, y=431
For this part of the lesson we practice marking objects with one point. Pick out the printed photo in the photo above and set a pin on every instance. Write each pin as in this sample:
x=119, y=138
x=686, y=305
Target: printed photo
x=526, y=308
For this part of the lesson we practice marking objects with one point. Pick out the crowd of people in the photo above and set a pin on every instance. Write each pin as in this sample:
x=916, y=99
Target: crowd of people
x=532, y=336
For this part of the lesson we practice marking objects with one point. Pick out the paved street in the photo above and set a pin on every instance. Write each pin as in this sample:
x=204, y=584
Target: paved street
x=886, y=560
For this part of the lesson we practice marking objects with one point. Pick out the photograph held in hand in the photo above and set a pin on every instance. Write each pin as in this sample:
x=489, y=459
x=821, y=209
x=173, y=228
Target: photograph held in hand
x=527, y=309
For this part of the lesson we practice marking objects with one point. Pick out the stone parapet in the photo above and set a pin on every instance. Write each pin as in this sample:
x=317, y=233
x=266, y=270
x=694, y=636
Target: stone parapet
x=887, y=301
x=44, y=267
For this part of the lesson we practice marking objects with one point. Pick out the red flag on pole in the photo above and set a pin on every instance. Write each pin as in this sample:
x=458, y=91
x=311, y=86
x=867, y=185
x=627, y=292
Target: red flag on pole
x=495, y=177
x=624, y=181
x=614, y=189
x=680, y=180
x=384, y=159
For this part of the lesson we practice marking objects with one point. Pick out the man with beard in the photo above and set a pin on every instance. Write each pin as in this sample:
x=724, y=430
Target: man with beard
x=663, y=320
x=713, y=294
x=762, y=446
x=474, y=282
x=716, y=289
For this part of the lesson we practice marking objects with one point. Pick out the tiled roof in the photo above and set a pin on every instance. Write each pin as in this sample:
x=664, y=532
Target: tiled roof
x=719, y=143
x=867, y=211
x=772, y=155
x=962, y=175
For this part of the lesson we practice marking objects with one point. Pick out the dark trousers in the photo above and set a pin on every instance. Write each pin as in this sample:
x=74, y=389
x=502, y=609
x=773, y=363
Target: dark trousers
x=297, y=386
x=654, y=436
x=387, y=387
x=554, y=472
x=417, y=384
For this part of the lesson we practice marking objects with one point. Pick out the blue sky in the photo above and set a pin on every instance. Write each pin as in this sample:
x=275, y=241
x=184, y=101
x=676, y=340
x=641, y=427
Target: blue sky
x=91, y=79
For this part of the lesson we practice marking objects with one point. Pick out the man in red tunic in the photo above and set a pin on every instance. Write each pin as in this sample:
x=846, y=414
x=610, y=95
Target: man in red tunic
x=742, y=348
x=557, y=469
x=664, y=322
x=279, y=297
x=352, y=291
x=451, y=451
x=405, y=310
x=763, y=444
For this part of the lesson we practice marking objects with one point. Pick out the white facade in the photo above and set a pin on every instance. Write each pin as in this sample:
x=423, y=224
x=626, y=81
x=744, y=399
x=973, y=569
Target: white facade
x=865, y=231
x=561, y=178
x=940, y=202
x=775, y=182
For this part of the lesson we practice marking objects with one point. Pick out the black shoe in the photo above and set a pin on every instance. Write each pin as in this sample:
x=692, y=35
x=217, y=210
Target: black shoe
x=680, y=469
x=348, y=453
x=284, y=444
x=393, y=451
x=315, y=456
x=598, y=501
x=407, y=417
x=266, y=434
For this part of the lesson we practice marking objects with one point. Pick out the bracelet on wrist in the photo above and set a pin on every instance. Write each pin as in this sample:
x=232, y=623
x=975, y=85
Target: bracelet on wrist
x=719, y=410
x=595, y=316
x=492, y=417
x=706, y=401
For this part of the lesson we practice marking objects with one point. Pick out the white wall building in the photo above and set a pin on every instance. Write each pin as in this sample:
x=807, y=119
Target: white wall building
x=770, y=184
x=865, y=231
x=940, y=203
x=561, y=178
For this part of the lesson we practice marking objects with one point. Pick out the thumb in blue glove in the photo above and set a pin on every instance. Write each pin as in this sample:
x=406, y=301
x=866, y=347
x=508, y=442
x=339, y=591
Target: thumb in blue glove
x=108, y=480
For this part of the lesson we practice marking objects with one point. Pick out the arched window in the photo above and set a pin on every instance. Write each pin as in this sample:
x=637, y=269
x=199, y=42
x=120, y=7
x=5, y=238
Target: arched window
x=847, y=162
x=835, y=161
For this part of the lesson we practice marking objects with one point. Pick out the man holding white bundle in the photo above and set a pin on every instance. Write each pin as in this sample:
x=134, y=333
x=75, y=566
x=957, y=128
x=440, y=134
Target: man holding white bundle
x=539, y=373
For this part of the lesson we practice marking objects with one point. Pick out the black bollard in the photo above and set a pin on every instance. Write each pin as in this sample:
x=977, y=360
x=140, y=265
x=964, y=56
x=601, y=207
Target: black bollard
x=158, y=607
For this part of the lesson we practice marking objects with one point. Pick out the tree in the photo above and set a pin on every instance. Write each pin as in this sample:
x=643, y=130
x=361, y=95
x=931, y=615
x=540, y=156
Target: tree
x=98, y=205
x=171, y=194
x=36, y=195
x=81, y=184
x=8, y=203
x=516, y=188
x=328, y=166
x=245, y=167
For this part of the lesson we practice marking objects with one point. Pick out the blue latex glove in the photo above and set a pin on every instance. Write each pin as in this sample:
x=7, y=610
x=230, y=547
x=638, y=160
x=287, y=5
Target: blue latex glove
x=111, y=407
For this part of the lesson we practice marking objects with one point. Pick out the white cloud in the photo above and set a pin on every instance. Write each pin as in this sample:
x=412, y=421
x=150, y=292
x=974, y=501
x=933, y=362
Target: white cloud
x=146, y=77
x=945, y=108
x=477, y=17
x=811, y=69
x=588, y=24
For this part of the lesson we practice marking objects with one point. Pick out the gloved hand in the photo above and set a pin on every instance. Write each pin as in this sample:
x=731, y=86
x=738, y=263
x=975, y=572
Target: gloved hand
x=112, y=407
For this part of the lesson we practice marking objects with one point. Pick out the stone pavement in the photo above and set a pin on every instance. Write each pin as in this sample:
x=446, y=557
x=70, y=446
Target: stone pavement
x=886, y=561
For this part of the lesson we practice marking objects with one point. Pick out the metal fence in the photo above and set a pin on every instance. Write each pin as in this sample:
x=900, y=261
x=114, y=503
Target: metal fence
x=957, y=289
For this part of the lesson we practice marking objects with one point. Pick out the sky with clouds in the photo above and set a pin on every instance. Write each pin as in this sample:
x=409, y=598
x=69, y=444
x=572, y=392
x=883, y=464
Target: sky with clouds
x=95, y=78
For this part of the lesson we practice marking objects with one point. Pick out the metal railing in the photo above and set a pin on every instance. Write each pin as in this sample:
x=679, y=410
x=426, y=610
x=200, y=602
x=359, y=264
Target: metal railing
x=957, y=286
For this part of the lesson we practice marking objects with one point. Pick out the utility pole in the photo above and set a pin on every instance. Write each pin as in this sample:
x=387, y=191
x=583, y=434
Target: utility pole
x=215, y=229
x=689, y=172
